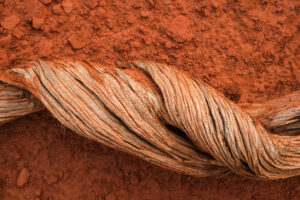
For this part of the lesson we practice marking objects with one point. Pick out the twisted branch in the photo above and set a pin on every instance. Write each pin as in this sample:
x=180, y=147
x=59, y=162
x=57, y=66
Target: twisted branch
x=161, y=115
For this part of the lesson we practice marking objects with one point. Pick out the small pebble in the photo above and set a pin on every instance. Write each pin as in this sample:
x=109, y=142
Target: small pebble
x=67, y=6
x=178, y=28
x=76, y=42
x=10, y=22
x=91, y=4
x=23, y=177
x=17, y=33
x=37, y=23
x=5, y=41
x=38, y=192
x=52, y=180
x=57, y=9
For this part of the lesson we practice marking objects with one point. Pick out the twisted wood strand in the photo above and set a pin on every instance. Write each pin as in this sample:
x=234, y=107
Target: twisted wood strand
x=161, y=115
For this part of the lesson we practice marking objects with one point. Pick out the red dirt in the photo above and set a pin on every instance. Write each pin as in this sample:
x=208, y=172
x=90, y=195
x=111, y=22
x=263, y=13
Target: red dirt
x=249, y=50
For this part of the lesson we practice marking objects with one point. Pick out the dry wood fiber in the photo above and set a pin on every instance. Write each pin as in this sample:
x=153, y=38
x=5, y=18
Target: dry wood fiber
x=133, y=106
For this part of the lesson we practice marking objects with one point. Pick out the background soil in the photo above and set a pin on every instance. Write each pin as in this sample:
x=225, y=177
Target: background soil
x=249, y=50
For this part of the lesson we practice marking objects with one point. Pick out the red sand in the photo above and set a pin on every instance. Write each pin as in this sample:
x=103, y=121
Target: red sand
x=249, y=50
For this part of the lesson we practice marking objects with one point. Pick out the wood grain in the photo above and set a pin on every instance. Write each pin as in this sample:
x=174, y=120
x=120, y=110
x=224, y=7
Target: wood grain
x=161, y=115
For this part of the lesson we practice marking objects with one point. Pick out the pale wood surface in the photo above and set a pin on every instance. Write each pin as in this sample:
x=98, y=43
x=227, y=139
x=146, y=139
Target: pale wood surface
x=132, y=108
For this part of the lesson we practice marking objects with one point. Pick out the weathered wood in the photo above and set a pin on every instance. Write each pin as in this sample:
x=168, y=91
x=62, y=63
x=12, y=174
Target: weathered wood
x=280, y=116
x=16, y=102
x=133, y=106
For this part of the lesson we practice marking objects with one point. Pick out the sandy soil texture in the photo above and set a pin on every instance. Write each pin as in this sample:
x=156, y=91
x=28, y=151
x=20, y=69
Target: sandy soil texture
x=248, y=50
